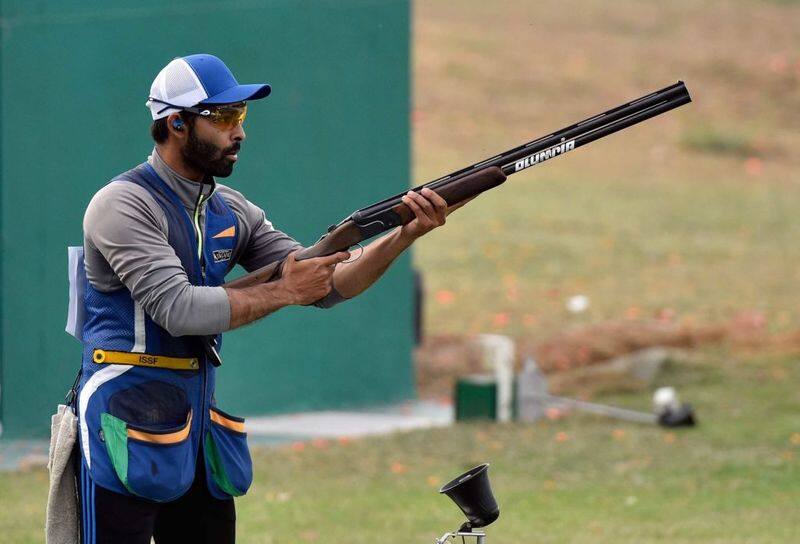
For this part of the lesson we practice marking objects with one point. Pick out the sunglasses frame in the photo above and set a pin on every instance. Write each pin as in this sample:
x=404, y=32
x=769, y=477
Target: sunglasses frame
x=208, y=113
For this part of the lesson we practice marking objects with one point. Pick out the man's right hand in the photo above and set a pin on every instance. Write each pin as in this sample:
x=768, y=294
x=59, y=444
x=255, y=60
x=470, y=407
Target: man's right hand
x=309, y=280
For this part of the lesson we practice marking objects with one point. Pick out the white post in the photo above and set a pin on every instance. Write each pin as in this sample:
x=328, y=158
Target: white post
x=498, y=354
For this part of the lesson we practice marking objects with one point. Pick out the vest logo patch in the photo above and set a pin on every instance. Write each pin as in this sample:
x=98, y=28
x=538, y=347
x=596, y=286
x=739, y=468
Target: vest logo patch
x=221, y=255
x=230, y=232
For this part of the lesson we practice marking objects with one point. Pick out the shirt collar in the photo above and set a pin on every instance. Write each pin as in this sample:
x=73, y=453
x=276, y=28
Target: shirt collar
x=186, y=189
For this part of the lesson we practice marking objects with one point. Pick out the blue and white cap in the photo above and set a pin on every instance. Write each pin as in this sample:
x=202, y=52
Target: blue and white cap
x=188, y=81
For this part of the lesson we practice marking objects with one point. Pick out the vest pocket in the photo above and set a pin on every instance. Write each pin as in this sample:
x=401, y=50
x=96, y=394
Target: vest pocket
x=154, y=463
x=227, y=454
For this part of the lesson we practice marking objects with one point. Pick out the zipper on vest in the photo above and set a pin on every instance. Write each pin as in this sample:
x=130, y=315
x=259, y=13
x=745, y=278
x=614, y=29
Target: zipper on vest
x=204, y=393
x=199, y=234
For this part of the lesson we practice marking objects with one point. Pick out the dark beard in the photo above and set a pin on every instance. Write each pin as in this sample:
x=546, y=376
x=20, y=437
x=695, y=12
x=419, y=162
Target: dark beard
x=206, y=157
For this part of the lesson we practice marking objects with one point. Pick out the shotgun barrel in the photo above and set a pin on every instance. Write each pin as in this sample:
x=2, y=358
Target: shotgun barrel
x=556, y=143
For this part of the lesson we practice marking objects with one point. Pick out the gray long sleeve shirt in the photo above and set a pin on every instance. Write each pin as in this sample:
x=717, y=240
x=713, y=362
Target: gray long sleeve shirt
x=126, y=243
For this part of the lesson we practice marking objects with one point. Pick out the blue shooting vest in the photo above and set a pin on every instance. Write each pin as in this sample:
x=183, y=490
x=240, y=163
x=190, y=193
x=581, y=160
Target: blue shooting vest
x=141, y=427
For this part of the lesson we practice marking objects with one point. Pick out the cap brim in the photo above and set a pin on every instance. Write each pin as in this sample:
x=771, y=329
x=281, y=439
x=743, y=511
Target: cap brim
x=240, y=93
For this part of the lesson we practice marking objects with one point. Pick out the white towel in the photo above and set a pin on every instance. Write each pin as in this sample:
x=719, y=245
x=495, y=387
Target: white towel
x=61, y=526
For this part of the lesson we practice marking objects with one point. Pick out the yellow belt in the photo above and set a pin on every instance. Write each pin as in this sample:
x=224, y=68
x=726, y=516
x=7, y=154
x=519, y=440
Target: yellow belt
x=144, y=359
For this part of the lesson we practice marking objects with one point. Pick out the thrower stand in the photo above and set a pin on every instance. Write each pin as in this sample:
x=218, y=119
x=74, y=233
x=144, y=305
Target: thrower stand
x=534, y=399
x=480, y=538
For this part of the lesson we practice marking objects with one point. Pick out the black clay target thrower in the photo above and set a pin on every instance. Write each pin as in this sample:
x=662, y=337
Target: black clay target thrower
x=473, y=494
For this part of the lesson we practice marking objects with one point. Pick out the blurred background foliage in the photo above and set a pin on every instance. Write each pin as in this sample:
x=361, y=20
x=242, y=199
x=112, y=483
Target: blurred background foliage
x=689, y=217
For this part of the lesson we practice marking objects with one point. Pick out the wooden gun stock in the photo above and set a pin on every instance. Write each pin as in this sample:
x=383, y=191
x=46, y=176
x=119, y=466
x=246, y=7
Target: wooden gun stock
x=378, y=218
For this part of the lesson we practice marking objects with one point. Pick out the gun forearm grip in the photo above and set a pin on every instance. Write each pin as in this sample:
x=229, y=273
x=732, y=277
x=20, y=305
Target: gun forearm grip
x=471, y=185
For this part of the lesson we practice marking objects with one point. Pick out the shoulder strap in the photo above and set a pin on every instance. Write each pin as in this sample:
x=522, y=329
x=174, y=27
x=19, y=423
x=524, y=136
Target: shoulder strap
x=181, y=231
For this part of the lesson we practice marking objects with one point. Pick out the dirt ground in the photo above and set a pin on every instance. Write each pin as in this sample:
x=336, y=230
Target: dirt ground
x=440, y=359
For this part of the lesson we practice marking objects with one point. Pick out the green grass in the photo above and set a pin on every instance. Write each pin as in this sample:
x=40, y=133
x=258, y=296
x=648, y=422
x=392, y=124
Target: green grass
x=735, y=478
x=706, y=249
x=715, y=140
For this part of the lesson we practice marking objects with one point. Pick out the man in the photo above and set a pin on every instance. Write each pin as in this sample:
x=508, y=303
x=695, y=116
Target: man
x=158, y=457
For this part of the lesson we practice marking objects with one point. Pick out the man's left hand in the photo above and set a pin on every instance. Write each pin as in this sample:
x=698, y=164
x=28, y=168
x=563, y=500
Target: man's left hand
x=430, y=210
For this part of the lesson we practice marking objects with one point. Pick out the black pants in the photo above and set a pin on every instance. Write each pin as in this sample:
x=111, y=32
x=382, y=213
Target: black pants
x=196, y=517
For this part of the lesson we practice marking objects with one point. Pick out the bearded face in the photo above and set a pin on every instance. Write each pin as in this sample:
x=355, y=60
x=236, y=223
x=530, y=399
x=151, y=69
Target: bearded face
x=207, y=157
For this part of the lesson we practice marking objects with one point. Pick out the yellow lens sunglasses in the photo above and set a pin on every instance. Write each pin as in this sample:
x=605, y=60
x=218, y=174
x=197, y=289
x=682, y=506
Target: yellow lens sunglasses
x=226, y=116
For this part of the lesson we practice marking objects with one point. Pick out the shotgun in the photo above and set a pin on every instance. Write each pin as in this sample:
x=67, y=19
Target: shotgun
x=468, y=182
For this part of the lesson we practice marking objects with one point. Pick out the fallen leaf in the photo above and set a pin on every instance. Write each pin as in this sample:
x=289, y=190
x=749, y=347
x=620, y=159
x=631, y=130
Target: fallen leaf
x=665, y=315
x=529, y=320
x=553, y=293
x=632, y=312
x=778, y=64
x=753, y=166
x=501, y=320
x=309, y=536
x=445, y=297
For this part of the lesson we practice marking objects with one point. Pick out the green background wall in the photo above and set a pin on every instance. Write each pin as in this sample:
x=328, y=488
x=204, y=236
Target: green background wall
x=333, y=136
